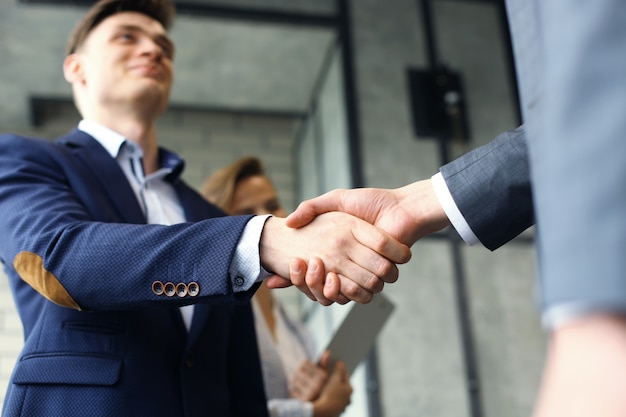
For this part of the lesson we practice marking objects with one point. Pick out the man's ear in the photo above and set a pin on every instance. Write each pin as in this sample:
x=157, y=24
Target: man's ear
x=73, y=69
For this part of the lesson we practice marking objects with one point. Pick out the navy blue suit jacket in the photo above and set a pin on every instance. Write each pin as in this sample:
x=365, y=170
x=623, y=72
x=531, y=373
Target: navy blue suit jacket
x=82, y=265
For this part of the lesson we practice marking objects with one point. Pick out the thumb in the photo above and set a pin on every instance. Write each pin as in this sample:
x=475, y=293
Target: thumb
x=324, y=361
x=308, y=210
x=340, y=372
x=303, y=215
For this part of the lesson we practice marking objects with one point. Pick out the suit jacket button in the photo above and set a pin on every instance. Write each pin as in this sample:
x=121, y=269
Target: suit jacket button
x=181, y=289
x=190, y=360
x=169, y=289
x=157, y=287
x=193, y=289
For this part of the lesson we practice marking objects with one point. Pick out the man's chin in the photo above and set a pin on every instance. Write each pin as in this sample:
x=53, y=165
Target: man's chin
x=151, y=96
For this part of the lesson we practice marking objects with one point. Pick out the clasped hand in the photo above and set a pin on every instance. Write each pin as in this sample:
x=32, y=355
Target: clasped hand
x=360, y=257
x=401, y=216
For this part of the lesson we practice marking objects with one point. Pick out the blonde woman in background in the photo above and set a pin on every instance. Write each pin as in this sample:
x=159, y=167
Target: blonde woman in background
x=294, y=385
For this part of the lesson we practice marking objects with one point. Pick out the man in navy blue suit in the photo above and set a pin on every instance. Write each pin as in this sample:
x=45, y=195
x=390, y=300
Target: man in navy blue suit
x=132, y=289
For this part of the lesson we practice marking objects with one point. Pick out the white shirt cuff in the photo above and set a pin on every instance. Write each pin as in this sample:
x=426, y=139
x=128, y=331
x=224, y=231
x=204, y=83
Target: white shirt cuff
x=245, y=268
x=452, y=211
x=566, y=313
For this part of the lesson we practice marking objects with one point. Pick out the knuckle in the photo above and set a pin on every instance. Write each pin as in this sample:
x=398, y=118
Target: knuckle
x=387, y=271
x=380, y=242
x=367, y=297
x=349, y=289
x=374, y=284
x=310, y=280
x=358, y=294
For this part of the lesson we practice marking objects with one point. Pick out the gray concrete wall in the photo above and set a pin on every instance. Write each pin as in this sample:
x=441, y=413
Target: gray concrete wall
x=420, y=351
x=225, y=63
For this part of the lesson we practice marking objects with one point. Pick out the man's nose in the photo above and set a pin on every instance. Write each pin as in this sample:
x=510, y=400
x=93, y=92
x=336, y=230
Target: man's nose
x=151, y=48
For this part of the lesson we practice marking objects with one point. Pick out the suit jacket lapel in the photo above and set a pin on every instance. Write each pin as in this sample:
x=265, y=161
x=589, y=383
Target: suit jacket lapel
x=196, y=208
x=108, y=174
x=110, y=178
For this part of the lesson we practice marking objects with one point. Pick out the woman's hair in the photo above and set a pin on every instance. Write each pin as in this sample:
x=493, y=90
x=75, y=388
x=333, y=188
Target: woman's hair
x=219, y=188
x=160, y=10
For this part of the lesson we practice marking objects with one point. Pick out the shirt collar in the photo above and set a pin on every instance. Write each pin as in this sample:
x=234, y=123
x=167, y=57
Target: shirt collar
x=113, y=142
x=109, y=139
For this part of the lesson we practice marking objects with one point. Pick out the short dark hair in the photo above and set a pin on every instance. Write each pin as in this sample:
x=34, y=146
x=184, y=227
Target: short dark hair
x=160, y=10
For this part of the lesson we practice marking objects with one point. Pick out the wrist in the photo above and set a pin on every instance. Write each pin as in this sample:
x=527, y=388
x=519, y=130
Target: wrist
x=320, y=409
x=422, y=205
x=269, y=244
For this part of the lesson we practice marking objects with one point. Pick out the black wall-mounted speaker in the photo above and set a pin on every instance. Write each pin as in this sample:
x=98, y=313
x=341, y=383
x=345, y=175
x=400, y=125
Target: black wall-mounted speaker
x=438, y=104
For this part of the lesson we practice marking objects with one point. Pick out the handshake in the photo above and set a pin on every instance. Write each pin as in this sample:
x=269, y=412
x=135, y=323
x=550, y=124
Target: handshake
x=345, y=244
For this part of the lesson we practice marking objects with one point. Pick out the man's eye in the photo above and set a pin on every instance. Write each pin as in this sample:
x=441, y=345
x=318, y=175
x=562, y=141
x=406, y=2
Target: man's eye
x=126, y=36
x=167, y=50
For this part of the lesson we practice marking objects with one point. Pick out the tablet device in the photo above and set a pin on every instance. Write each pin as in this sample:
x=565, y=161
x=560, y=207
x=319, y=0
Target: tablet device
x=356, y=335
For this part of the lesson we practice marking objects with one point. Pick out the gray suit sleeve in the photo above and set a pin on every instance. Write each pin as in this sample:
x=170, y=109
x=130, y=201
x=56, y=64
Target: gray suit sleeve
x=491, y=187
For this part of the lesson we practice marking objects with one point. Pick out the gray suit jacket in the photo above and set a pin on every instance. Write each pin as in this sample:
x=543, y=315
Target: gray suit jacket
x=491, y=187
x=571, y=65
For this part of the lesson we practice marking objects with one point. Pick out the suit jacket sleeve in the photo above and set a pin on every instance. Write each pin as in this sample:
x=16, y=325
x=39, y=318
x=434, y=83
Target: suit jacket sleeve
x=491, y=187
x=577, y=124
x=64, y=237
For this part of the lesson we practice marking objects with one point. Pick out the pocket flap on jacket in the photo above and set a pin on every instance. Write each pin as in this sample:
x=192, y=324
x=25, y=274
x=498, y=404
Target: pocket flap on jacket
x=71, y=368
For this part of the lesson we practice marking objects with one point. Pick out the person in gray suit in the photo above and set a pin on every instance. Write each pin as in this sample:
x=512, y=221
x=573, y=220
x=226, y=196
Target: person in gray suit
x=565, y=171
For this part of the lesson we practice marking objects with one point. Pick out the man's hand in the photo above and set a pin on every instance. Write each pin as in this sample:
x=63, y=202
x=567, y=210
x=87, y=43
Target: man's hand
x=407, y=213
x=311, y=280
x=362, y=256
